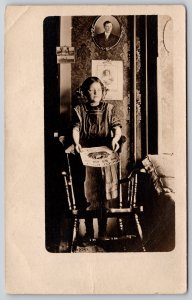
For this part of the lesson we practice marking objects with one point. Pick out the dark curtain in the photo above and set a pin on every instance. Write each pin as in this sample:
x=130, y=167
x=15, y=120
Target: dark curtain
x=55, y=203
x=143, y=87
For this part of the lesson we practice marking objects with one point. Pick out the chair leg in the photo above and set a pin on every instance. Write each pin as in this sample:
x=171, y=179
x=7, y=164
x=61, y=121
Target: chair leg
x=120, y=226
x=89, y=228
x=75, y=234
x=140, y=231
x=102, y=222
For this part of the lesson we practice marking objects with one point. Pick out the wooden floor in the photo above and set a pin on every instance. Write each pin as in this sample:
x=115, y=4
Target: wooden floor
x=128, y=242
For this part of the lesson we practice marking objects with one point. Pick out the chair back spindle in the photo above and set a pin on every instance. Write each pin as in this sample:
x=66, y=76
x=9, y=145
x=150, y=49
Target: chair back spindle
x=135, y=191
x=120, y=185
x=71, y=184
x=66, y=184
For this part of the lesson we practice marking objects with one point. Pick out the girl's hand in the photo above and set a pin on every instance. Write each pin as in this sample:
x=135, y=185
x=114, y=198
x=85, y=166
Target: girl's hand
x=115, y=145
x=78, y=148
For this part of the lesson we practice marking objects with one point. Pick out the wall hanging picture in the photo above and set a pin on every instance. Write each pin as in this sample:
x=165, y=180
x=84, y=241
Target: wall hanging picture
x=106, y=32
x=65, y=54
x=111, y=74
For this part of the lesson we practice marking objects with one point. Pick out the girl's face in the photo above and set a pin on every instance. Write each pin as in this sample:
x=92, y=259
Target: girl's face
x=95, y=93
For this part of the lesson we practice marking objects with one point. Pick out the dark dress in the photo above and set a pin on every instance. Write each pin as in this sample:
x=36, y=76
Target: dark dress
x=95, y=124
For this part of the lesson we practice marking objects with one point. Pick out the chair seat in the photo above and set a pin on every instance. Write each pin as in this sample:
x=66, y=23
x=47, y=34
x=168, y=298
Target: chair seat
x=110, y=212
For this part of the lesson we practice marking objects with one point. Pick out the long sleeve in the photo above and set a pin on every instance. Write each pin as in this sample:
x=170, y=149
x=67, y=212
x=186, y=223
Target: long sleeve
x=115, y=121
x=75, y=135
x=76, y=117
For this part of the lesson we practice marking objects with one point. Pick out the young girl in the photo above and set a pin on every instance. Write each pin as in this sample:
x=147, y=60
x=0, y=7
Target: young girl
x=95, y=123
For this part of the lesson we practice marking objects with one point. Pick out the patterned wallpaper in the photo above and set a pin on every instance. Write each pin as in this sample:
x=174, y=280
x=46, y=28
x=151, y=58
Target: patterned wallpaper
x=86, y=51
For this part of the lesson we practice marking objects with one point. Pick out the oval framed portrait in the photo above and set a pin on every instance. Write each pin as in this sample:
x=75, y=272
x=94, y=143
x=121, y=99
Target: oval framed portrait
x=106, y=32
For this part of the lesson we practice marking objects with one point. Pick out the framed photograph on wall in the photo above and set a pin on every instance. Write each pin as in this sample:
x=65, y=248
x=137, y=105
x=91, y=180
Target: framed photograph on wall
x=106, y=32
x=111, y=74
x=65, y=54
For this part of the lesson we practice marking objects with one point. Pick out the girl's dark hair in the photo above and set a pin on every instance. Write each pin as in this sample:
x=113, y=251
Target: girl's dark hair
x=87, y=83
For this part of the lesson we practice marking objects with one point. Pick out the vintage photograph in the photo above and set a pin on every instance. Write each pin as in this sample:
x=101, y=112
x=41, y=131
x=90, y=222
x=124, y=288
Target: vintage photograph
x=95, y=150
x=106, y=32
x=109, y=152
x=65, y=54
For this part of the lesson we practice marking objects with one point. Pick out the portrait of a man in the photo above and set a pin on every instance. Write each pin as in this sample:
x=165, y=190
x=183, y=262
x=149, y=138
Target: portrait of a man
x=106, y=38
x=106, y=32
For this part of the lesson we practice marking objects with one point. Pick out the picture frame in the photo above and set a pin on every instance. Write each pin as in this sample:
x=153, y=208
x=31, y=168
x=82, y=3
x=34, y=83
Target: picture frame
x=111, y=74
x=65, y=54
x=106, y=32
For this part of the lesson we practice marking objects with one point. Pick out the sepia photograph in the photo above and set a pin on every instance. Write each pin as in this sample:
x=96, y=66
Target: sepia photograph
x=95, y=149
x=106, y=32
x=65, y=54
x=109, y=128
